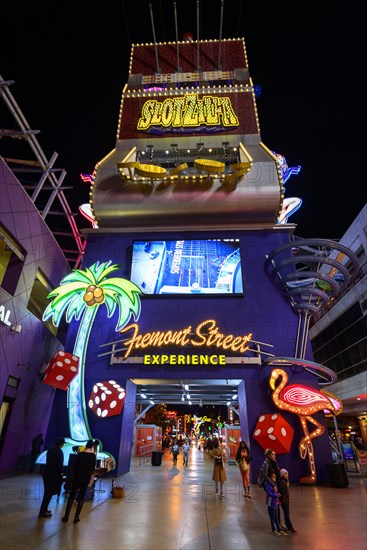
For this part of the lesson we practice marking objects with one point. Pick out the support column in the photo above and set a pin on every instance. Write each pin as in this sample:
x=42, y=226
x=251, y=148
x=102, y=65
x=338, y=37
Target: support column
x=127, y=429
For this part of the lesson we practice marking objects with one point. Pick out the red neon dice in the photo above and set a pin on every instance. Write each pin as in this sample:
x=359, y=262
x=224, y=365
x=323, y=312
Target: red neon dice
x=107, y=398
x=62, y=368
x=273, y=431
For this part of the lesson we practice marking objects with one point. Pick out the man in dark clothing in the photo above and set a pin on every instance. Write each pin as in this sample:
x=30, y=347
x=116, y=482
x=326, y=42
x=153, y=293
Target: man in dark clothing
x=83, y=468
x=36, y=448
x=52, y=476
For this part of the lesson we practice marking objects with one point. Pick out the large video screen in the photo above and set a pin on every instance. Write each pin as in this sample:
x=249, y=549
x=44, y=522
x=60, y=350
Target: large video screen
x=189, y=267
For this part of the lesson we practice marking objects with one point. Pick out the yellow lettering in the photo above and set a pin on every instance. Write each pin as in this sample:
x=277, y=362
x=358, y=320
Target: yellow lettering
x=188, y=111
x=206, y=334
x=191, y=116
x=146, y=112
x=167, y=112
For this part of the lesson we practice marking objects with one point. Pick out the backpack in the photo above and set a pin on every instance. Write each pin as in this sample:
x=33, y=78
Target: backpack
x=261, y=477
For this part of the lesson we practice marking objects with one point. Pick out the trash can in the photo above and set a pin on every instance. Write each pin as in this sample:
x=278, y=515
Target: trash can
x=156, y=458
x=337, y=474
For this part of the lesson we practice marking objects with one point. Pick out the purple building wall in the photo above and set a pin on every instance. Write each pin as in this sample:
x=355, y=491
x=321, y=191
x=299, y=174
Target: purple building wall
x=23, y=353
x=262, y=310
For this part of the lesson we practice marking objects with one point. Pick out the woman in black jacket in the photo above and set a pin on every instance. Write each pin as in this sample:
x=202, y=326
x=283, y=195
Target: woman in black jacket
x=271, y=467
x=83, y=468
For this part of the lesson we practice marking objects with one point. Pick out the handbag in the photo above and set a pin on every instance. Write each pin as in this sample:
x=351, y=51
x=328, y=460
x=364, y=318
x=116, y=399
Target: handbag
x=244, y=465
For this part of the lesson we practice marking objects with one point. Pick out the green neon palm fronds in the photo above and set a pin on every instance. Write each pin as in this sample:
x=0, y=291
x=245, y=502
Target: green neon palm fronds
x=69, y=298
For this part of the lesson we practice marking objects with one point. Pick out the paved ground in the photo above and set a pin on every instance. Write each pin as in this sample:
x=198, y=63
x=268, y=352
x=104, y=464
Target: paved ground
x=168, y=508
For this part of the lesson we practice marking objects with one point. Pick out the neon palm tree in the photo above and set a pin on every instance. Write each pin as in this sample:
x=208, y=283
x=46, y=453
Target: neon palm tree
x=81, y=293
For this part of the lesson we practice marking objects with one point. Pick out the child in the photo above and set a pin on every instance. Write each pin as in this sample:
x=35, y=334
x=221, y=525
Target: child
x=284, y=499
x=272, y=502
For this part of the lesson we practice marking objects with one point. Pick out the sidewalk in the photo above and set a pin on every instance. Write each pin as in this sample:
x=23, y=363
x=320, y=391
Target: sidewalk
x=168, y=508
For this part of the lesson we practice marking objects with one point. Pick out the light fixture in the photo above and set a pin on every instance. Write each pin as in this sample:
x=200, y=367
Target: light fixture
x=188, y=396
x=151, y=401
x=234, y=396
x=228, y=403
x=143, y=395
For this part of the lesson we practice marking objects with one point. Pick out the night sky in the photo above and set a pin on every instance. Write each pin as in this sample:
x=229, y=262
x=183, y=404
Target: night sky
x=69, y=62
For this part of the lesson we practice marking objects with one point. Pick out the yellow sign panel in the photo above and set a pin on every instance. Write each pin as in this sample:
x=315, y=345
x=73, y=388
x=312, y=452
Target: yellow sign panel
x=188, y=111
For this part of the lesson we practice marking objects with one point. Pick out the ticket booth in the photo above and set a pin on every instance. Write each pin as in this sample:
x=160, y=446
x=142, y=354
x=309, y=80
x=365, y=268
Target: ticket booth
x=148, y=438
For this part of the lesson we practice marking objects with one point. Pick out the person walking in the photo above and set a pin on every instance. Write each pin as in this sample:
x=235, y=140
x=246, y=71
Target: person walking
x=36, y=448
x=243, y=459
x=219, y=471
x=175, y=451
x=185, y=450
x=52, y=476
x=284, y=499
x=272, y=502
x=83, y=468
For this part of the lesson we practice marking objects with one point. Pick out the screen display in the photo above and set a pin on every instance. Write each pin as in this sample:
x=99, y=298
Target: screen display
x=191, y=267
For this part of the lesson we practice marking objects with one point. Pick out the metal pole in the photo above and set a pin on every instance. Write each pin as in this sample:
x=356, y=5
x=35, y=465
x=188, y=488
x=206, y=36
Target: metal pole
x=197, y=33
x=220, y=34
x=155, y=42
x=178, y=53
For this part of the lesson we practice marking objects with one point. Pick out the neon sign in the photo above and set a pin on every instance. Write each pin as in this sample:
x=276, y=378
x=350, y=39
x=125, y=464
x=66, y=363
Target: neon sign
x=184, y=359
x=188, y=111
x=213, y=338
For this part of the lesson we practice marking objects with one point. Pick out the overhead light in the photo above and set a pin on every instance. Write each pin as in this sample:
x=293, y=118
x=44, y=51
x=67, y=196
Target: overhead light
x=143, y=395
x=190, y=403
x=151, y=401
x=186, y=387
x=183, y=397
x=228, y=403
x=234, y=396
x=188, y=396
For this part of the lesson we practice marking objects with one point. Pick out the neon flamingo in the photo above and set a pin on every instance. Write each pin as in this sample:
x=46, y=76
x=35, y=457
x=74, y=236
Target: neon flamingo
x=304, y=401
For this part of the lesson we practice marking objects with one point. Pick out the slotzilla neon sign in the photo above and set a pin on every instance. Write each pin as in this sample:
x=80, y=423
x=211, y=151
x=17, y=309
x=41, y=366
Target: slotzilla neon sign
x=206, y=334
x=188, y=111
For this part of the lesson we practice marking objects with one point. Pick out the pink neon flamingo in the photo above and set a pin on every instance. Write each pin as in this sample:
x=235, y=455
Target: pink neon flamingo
x=304, y=402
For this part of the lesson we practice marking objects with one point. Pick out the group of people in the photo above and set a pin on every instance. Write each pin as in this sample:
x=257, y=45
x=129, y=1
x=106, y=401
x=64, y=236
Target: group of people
x=175, y=451
x=276, y=483
x=83, y=470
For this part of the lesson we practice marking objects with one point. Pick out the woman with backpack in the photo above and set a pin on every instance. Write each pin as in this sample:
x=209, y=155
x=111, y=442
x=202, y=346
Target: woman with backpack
x=243, y=459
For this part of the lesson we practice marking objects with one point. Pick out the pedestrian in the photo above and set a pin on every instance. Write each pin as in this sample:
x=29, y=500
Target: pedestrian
x=284, y=499
x=243, y=459
x=272, y=502
x=83, y=468
x=36, y=448
x=52, y=476
x=269, y=467
x=219, y=471
x=175, y=451
x=185, y=450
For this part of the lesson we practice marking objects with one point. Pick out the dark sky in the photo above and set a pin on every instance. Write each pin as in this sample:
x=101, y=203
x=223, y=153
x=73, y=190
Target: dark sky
x=69, y=62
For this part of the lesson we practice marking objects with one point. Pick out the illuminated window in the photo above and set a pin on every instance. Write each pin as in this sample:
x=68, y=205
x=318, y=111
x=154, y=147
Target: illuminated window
x=12, y=257
x=38, y=300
